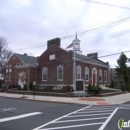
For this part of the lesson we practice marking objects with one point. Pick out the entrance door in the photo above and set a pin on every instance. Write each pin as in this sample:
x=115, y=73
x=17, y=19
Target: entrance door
x=79, y=85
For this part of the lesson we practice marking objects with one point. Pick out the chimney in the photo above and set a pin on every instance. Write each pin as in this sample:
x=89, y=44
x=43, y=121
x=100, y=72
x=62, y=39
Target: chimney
x=25, y=54
x=93, y=55
x=53, y=42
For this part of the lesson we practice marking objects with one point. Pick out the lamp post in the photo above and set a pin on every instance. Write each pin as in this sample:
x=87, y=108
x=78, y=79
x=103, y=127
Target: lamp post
x=34, y=85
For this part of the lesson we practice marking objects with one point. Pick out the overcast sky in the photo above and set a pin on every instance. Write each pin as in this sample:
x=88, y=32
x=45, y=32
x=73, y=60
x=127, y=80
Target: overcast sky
x=28, y=24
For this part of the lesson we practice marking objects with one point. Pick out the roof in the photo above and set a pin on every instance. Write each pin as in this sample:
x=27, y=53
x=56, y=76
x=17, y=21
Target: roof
x=28, y=59
x=91, y=60
x=76, y=38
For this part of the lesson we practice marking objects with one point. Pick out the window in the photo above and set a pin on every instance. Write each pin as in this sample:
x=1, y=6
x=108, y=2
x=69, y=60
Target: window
x=44, y=74
x=60, y=73
x=10, y=68
x=52, y=57
x=100, y=75
x=87, y=74
x=9, y=77
x=6, y=77
x=105, y=76
x=7, y=69
x=114, y=75
x=78, y=72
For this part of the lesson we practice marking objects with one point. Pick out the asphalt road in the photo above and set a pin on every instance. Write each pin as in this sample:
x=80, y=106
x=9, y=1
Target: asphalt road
x=17, y=114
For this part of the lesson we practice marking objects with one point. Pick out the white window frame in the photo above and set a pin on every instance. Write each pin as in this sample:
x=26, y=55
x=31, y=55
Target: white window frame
x=7, y=70
x=6, y=77
x=44, y=73
x=105, y=76
x=9, y=77
x=100, y=75
x=86, y=73
x=10, y=70
x=78, y=72
x=59, y=74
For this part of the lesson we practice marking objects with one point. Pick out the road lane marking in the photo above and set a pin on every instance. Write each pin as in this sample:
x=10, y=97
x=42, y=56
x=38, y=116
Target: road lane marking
x=80, y=120
x=100, y=109
x=89, y=115
x=108, y=119
x=19, y=116
x=60, y=118
x=7, y=109
x=72, y=126
x=95, y=111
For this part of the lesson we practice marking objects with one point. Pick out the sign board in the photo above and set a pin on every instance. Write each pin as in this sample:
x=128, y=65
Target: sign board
x=52, y=57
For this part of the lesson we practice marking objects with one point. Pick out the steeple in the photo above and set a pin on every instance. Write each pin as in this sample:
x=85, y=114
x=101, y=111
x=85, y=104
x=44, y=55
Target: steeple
x=76, y=45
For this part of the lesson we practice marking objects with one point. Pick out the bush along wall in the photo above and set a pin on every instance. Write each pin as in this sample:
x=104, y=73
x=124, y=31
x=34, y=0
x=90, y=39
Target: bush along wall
x=92, y=88
x=125, y=88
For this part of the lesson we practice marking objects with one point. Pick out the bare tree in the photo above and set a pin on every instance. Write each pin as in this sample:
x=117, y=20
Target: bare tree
x=5, y=54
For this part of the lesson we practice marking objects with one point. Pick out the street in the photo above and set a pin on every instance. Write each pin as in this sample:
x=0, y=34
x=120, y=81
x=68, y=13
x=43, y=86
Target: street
x=18, y=114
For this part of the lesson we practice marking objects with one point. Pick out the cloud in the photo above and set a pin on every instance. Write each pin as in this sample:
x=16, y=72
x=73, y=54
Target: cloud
x=28, y=24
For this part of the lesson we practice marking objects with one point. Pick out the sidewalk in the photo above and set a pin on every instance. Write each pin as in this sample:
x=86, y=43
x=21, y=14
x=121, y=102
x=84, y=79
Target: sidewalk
x=117, y=99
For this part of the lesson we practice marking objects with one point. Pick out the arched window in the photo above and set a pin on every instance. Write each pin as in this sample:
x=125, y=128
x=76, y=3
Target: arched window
x=78, y=72
x=86, y=73
x=100, y=75
x=59, y=73
x=44, y=74
x=105, y=76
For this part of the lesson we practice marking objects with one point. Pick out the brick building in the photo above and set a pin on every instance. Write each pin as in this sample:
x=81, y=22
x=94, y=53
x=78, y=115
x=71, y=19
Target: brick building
x=20, y=68
x=57, y=68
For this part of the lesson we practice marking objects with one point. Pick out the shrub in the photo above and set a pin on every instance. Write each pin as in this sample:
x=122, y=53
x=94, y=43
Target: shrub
x=19, y=87
x=0, y=84
x=69, y=88
x=128, y=88
x=112, y=84
x=31, y=86
x=123, y=88
x=93, y=88
x=89, y=88
x=10, y=86
x=97, y=89
x=107, y=85
x=25, y=87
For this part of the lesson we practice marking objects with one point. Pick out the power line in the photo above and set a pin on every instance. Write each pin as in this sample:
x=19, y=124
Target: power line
x=99, y=28
x=86, y=32
x=113, y=54
x=106, y=4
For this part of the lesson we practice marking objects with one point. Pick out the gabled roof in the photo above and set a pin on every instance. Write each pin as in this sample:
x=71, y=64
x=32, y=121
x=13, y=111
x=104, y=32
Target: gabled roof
x=91, y=60
x=27, y=59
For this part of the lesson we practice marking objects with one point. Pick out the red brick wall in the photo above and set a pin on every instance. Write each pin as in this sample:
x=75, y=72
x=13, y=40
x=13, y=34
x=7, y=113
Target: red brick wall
x=62, y=57
x=31, y=73
x=13, y=73
x=90, y=66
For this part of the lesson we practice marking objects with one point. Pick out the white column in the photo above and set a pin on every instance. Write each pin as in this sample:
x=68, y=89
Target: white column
x=74, y=72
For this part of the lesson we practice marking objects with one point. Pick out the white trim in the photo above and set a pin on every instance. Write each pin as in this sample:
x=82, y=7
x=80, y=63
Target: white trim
x=25, y=66
x=89, y=62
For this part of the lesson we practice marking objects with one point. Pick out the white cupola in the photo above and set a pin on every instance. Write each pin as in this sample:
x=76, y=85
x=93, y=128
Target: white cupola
x=76, y=45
